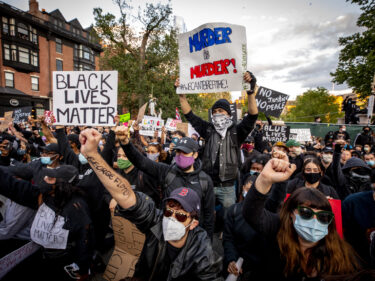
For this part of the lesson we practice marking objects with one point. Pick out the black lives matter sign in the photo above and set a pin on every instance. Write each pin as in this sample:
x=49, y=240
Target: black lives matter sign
x=270, y=102
x=85, y=97
x=275, y=133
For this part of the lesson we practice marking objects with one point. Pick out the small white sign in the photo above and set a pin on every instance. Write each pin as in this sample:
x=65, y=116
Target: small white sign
x=48, y=231
x=302, y=134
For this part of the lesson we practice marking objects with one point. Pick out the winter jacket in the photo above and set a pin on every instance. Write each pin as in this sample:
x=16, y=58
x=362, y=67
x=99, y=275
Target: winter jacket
x=195, y=261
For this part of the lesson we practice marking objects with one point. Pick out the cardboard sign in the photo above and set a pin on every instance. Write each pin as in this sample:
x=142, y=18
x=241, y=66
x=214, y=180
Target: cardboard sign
x=292, y=136
x=212, y=59
x=270, y=102
x=274, y=134
x=183, y=127
x=141, y=113
x=149, y=125
x=85, y=97
x=8, y=262
x=7, y=119
x=128, y=247
x=171, y=124
x=21, y=114
x=49, y=118
x=46, y=232
x=302, y=134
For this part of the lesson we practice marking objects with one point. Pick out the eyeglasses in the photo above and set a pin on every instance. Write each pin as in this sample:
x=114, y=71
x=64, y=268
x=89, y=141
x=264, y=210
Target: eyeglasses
x=324, y=217
x=181, y=217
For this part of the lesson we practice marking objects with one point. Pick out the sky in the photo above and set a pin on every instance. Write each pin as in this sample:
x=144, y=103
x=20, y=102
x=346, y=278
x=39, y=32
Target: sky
x=292, y=44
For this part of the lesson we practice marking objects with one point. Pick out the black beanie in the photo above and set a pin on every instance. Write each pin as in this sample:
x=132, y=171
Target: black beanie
x=222, y=103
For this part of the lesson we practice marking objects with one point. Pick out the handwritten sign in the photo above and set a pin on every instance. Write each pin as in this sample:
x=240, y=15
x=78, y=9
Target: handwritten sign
x=47, y=232
x=7, y=119
x=49, y=118
x=128, y=247
x=270, y=102
x=275, y=133
x=8, y=262
x=149, y=125
x=21, y=114
x=124, y=117
x=183, y=127
x=212, y=59
x=302, y=134
x=171, y=124
x=85, y=97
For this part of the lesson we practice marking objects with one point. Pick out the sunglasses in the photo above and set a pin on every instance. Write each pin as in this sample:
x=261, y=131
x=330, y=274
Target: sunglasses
x=324, y=217
x=181, y=217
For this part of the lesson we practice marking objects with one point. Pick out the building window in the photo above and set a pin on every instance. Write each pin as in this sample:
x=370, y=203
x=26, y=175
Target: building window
x=34, y=83
x=9, y=79
x=33, y=35
x=6, y=52
x=34, y=58
x=5, y=25
x=23, y=31
x=23, y=54
x=58, y=45
x=59, y=65
x=12, y=27
x=14, y=53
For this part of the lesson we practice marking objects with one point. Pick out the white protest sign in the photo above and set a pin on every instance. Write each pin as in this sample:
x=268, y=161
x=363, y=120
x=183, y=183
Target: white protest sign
x=370, y=106
x=302, y=134
x=46, y=232
x=213, y=58
x=85, y=97
x=171, y=124
x=149, y=125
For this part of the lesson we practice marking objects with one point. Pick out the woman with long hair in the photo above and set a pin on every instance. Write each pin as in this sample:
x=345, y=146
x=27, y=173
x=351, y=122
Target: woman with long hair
x=305, y=242
x=311, y=177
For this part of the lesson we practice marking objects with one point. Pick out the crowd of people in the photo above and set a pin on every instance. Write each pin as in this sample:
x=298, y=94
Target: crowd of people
x=289, y=211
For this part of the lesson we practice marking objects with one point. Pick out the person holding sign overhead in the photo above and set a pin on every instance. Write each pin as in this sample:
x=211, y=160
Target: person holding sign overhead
x=223, y=140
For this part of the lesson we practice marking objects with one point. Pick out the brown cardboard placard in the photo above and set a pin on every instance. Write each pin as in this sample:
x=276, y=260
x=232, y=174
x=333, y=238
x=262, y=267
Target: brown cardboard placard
x=184, y=127
x=120, y=265
x=7, y=119
x=141, y=113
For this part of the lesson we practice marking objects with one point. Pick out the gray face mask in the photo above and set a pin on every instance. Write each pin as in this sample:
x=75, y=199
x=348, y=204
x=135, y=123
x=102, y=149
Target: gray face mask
x=153, y=156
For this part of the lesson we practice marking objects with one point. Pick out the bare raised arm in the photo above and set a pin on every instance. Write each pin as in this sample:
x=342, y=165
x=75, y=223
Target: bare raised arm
x=117, y=186
x=185, y=106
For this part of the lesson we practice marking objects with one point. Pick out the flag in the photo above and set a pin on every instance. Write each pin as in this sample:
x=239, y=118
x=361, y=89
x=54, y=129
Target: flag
x=178, y=117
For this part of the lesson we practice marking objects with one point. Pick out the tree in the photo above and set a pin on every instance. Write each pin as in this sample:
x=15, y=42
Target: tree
x=314, y=103
x=356, y=64
x=140, y=59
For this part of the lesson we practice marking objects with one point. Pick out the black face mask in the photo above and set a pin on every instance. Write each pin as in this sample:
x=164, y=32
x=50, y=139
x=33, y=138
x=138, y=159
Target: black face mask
x=359, y=182
x=312, y=177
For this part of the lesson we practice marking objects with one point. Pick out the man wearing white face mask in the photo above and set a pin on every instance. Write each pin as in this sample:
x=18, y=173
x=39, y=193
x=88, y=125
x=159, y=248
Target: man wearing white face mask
x=177, y=248
x=221, y=156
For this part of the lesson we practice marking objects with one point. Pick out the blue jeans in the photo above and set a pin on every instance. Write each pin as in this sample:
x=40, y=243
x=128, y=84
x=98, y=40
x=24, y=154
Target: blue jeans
x=225, y=195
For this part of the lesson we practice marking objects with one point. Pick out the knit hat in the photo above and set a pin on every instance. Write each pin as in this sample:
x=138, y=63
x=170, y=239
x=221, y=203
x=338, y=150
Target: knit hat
x=355, y=162
x=222, y=103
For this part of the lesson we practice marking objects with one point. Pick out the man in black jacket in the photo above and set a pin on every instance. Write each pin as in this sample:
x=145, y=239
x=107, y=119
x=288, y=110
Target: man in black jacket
x=187, y=171
x=177, y=248
x=223, y=138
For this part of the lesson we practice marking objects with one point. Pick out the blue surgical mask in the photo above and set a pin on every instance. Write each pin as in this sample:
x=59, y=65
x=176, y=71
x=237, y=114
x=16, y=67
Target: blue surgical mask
x=46, y=160
x=153, y=156
x=311, y=230
x=244, y=193
x=252, y=172
x=82, y=159
x=21, y=151
x=370, y=163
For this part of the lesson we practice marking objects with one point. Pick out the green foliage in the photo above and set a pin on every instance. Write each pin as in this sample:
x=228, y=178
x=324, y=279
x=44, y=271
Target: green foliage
x=202, y=103
x=356, y=64
x=314, y=103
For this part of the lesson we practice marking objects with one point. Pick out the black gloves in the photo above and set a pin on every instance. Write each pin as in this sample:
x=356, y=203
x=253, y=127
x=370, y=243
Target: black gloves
x=252, y=83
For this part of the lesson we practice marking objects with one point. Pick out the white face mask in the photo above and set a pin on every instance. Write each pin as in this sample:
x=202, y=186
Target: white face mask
x=327, y=158
x=173, y=230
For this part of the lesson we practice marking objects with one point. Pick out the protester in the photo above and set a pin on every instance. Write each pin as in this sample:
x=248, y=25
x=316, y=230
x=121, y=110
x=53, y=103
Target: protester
x=303, y=236
x=186, y=171
x=223, y=140
x=341, y=133
x=176, y=246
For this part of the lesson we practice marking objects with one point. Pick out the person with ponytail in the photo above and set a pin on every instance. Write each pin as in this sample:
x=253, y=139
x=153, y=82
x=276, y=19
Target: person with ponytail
x=304, y=243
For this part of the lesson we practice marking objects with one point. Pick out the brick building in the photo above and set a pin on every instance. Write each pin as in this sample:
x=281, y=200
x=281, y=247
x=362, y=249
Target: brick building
x=35, y=43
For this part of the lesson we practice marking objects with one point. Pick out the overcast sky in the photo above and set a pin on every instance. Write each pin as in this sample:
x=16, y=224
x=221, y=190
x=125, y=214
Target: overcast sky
x=292, y=44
